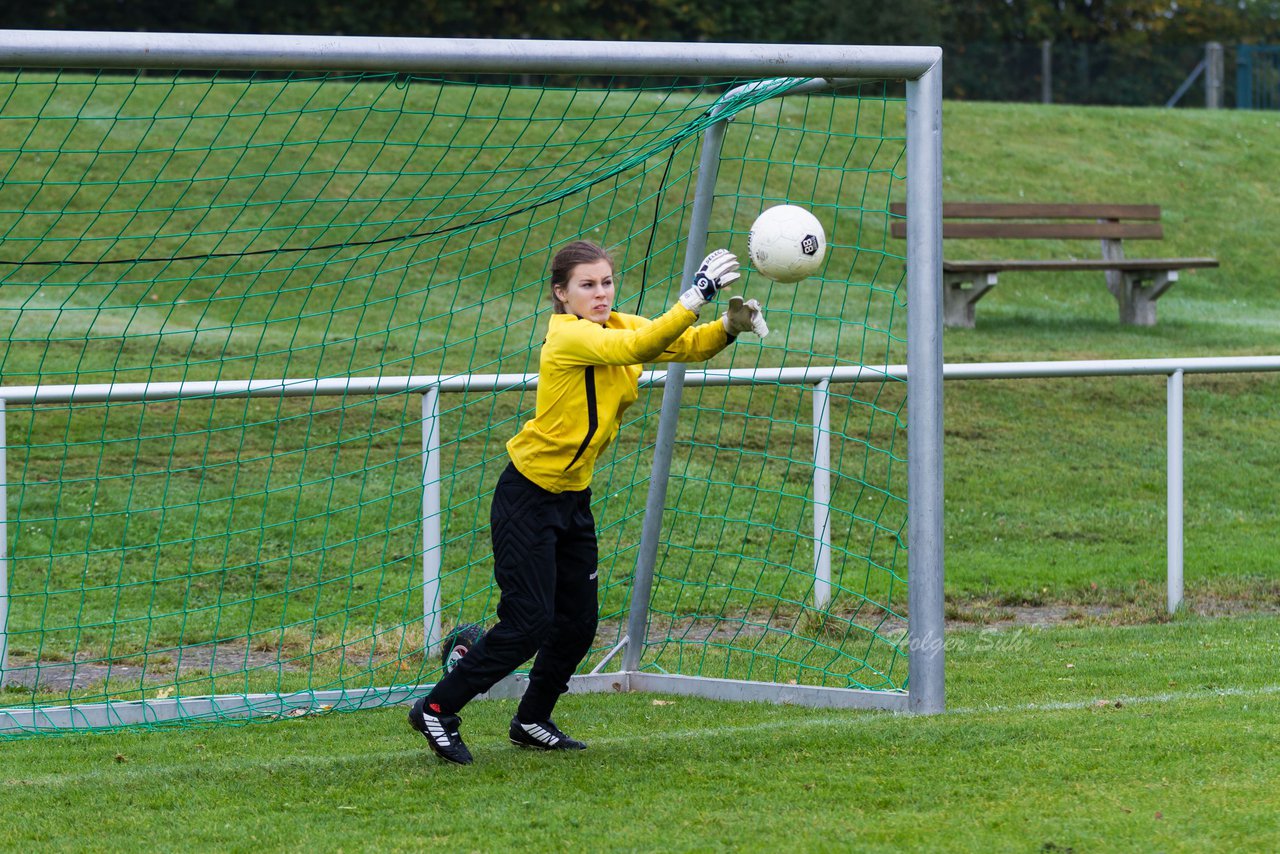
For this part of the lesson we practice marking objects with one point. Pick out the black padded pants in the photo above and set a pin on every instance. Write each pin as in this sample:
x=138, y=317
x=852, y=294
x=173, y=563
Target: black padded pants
x=544, y=560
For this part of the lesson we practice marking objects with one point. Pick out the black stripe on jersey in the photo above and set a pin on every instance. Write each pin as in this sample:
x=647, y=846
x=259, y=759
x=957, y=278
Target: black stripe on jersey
x=589, y=376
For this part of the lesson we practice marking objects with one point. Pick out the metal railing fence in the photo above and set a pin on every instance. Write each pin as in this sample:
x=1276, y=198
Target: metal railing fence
x=818, y=379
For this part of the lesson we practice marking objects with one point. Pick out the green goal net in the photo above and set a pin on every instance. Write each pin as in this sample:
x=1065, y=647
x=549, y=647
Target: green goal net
x=233, y=305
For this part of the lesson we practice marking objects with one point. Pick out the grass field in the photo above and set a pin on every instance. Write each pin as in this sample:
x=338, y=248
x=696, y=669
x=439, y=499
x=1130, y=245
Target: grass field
x=1129, y=738
x=1114, y=727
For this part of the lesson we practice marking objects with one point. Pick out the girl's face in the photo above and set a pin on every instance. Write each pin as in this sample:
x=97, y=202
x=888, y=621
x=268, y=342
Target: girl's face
x=589, y=291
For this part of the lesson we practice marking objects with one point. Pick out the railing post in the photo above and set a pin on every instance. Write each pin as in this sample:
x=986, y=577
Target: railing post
x=1174, y=489
x=431, y=545
x=821, y=495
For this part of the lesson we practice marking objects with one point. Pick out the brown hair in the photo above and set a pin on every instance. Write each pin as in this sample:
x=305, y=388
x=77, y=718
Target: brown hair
x=569, y=257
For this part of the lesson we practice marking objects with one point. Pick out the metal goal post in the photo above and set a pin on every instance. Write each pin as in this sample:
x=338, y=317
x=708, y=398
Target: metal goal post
x=919, y=67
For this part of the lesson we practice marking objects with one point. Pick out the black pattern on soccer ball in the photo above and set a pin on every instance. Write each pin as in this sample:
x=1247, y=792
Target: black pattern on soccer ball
x=457, y=643
x=809, y=245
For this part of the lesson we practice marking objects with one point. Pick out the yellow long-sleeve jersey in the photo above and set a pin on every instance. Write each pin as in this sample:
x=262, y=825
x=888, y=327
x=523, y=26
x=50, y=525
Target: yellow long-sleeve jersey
x=588, y=374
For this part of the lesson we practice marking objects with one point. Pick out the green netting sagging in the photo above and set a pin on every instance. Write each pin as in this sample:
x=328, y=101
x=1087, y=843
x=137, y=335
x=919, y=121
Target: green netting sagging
x=212, y=289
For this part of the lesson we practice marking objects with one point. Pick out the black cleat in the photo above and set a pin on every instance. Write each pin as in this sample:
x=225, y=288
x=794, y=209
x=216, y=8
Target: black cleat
x=544, y=735
x=440, y=731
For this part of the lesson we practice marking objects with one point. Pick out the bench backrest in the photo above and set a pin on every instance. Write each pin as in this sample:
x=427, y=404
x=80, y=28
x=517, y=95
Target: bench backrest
x=996, y=220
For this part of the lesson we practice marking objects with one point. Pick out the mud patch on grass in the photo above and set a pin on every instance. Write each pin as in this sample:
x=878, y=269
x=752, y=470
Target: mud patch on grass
x=163, y=667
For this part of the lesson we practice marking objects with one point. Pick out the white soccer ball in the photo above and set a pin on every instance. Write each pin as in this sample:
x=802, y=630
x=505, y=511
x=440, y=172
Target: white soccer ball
x=787, y=243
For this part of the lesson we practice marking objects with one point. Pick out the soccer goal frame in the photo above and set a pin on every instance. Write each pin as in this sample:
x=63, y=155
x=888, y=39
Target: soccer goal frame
x=823, y=66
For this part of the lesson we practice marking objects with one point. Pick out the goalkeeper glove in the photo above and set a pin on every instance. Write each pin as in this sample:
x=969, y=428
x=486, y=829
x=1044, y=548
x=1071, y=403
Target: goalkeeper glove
x=718, y=270
x=744, y=317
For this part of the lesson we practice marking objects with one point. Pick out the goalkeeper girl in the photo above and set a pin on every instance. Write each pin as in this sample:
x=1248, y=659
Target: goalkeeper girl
x=544, y=536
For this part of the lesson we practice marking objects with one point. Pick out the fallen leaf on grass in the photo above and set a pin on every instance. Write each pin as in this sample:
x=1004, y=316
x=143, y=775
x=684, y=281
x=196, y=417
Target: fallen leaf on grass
x=663, y=703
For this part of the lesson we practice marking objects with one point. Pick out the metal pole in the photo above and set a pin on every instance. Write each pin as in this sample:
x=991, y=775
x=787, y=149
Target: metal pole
x=1174, y=428
x=1187, y=84
x=924, y=392
x=1046, y=72
x=417, y=384
x=664, y=445
x=821, y=495
x=4, y=544
x=265, y=52
x=431, y=545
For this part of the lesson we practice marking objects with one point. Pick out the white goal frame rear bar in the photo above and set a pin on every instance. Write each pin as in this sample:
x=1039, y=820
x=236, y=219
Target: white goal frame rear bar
x=919, y=67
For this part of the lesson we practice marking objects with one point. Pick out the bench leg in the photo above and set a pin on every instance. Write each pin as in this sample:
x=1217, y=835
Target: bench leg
x=1138, y=300
x=960, y=293
x=1113, y=250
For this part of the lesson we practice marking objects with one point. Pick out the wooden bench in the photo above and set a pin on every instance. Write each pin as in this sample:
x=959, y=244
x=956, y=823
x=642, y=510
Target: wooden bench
x=1136, y=283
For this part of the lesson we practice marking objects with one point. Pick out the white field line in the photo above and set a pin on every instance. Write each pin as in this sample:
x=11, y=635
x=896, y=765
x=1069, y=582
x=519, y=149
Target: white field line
x=844, y=718
x=484, y=739
x=1166, y=697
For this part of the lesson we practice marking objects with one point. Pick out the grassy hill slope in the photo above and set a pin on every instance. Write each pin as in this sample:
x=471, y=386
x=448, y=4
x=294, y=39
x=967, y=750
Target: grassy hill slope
x=1054, y=488
x=1057, y=486
x=1212, y=173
